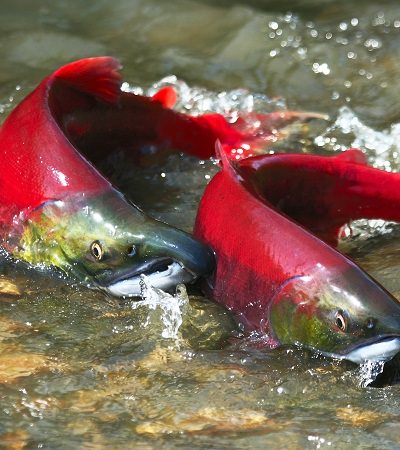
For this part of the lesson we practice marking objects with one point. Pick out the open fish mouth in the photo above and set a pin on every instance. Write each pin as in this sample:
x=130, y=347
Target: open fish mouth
x=162, y=273
x=377, y=349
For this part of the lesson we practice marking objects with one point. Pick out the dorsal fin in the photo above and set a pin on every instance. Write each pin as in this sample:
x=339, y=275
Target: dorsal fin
x=354, y=155
x=167, y=96
x=226, y=164
x=95, y=76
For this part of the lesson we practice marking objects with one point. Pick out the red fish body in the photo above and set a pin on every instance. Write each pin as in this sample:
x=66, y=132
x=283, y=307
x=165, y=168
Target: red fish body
x=56, y=209
x=270, y=267
x=38, y=162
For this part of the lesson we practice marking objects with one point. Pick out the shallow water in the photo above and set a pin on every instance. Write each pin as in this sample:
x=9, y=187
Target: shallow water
x=80, y=371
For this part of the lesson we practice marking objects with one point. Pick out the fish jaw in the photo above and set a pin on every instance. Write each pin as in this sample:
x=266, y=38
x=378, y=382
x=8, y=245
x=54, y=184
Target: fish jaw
x=171, y=275
x=342, y=314
x=108, y=243
x=379, y=350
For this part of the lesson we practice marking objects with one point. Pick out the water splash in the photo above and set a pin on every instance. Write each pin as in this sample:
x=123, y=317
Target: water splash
x=363, y=229
x=368, y=372
x=381, y=147
x=172, y=307
x=197, y=100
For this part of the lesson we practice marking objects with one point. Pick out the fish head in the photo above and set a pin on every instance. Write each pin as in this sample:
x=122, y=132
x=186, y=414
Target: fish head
x=109, y=243
x=342, y=314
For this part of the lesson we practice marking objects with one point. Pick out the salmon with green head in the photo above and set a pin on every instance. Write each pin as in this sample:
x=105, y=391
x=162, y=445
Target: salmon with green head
x=272, y=221
x=57, y=210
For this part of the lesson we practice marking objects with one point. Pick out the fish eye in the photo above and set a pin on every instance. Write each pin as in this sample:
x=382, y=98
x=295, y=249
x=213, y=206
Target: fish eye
x=340, y=320
x=96, y=250
x=132, y=250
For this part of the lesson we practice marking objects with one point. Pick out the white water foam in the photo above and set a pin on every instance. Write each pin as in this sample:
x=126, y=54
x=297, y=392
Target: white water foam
x=381, y=147
x=197, y=100
x=368, y=372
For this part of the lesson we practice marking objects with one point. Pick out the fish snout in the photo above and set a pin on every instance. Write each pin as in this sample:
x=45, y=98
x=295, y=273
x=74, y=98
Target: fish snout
x=344, y=314
x=167, y=257
x=195, y=257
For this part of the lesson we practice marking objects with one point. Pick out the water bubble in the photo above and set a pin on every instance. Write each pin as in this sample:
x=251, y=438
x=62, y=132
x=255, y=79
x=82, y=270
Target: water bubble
x=302, y=52
x=273, y=25
x=125, y=87
x=379, y=20
x=373, y=44
x=341, y=40
x=335, y=95
x=321, y=68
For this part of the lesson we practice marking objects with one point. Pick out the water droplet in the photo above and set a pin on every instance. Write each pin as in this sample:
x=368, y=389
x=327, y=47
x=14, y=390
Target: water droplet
x=372, y=44
x=273, y=25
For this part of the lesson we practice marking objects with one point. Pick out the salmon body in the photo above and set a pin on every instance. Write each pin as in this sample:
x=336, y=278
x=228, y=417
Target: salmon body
x=57, y=210
x=271, y=220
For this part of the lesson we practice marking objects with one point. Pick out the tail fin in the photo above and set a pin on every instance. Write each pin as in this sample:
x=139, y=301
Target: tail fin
x=97, y=76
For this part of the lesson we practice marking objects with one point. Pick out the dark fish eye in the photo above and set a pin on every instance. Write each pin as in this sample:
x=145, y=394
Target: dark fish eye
x=371, y=322
x=340, y=320
x=96, y=250
x=132, y=250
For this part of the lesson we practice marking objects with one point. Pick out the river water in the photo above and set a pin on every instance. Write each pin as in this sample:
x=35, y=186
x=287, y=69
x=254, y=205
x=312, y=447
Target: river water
x=78, y=371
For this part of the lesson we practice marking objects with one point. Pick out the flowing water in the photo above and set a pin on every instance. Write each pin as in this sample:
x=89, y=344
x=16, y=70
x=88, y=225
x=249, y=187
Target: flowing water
x=80, y=371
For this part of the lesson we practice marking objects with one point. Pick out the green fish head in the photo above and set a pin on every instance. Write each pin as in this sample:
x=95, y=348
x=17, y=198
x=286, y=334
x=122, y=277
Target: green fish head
x=345, y=315
x=109, y=243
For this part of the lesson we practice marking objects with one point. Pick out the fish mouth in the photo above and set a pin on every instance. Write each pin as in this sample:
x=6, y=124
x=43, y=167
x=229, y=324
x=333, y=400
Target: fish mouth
x=380, y=349
x=162, y=273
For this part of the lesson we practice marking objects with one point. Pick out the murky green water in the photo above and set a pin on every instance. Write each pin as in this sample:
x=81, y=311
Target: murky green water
x=78, y=371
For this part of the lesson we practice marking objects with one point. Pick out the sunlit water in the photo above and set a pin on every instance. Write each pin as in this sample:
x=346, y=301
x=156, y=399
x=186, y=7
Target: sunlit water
x=78, y=370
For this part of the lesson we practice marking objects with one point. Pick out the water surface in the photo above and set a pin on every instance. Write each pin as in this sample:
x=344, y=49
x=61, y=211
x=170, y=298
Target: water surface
x=80, y=371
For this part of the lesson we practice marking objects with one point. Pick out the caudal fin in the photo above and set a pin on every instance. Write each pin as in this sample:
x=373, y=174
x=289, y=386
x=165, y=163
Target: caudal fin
x=97, y=76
